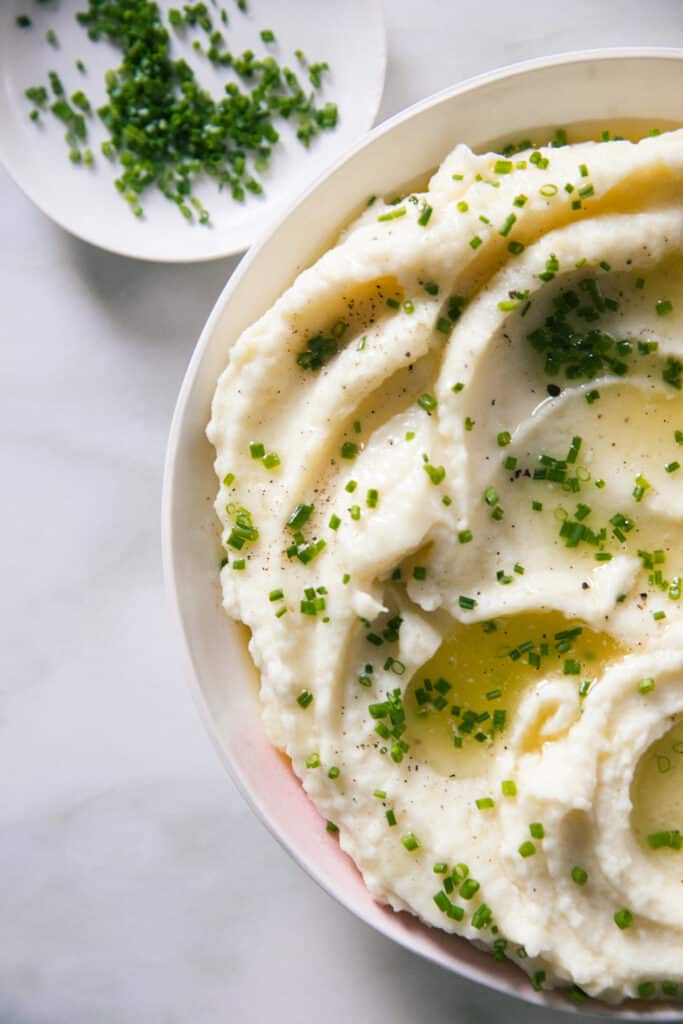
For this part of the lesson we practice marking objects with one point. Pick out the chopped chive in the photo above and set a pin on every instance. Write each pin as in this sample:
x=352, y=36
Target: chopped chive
x=646, y=685
x=349, y=450
x=392, y=214
x=464, y=536
x=423, y=219
x=484, y=803
x=304, y=699
x=663, y=306
x=579, y=875
x=469, y=888
x=537, y=830
x=313, y=761
x=507, y=225
x=435, y=473
x=257, y=450
x=508, y=787
x=623, y=918
x=504, y=438
x=410, y=841
x=527, y=849
x=670, y=839
x=419, y=572
x=427, y=402
x=468, y=603
x=475, y=242
x=276, y=595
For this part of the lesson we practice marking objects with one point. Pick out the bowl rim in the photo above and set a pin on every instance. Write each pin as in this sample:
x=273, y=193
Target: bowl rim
x=491, y=980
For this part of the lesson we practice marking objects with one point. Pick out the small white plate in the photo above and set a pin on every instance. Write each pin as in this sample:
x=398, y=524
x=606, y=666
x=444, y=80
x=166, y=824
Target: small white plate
x=349, y=36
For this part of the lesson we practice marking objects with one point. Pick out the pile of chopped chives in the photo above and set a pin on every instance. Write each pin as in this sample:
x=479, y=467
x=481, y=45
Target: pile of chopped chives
x=165, y=130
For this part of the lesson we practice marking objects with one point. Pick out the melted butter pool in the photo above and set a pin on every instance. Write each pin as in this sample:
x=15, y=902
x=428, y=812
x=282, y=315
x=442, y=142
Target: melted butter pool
x=657, y=795
x=460, y=705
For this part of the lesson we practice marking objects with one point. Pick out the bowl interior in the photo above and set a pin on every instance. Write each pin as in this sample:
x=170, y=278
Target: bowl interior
x=607, y=86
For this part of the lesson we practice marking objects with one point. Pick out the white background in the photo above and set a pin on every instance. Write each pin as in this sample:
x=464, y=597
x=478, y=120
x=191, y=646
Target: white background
x=135, y=885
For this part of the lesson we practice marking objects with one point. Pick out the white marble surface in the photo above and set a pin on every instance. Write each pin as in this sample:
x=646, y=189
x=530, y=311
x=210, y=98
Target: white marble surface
x=136, y=885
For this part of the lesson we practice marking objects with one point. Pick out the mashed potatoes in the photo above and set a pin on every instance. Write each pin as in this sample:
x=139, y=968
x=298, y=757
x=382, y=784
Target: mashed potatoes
x=451, y=504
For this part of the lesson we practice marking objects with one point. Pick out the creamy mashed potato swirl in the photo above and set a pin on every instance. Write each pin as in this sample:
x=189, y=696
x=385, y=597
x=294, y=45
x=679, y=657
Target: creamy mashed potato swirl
x=451, y=505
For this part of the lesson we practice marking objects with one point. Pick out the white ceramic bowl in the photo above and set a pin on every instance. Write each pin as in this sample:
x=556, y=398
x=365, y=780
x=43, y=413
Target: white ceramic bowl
x=603, y=85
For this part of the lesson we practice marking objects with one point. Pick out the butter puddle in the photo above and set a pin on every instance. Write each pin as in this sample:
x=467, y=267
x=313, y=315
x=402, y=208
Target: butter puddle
x=657, y=797
x=461, y=703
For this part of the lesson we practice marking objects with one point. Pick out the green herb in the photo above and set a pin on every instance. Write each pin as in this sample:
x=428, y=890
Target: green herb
x=485, y=803
x=23, y=21
x=435, y=473
x=304, y=699
x=469, y=888
x=504, y=438
x=300, y=516
x=508, y=787
x=507, y=225
x=427, y=402
x=623, y=919
x=267, y=35
x=313, y=761
x=464, y=536
x=579, y=875
x=482, y=916
x=349, y=450
x=167, y=130
x=672, y=372
x=393, y=214
x=663, y=307
x=527, y=849
x=537, y=831
x=51, y=37
x=423, y=219
x=641, y=486
x=671, y=840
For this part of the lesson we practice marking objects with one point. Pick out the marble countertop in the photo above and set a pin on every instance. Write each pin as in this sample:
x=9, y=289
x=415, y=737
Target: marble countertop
x=136, y=884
